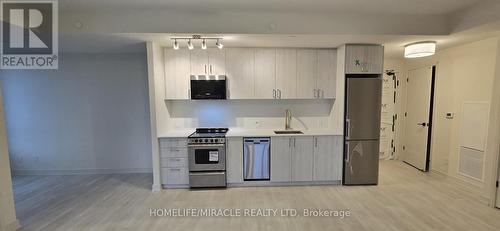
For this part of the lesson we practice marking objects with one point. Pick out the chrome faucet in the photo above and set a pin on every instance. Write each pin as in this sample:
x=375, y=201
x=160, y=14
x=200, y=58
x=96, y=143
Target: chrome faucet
x=288, y=119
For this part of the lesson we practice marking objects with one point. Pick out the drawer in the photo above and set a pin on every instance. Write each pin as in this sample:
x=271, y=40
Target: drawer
x=175, y=176
x=173, y=152
x=173, y=143
x=174, y=162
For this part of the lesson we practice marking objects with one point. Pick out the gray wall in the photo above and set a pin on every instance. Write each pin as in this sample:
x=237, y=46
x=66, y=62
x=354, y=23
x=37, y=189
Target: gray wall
x=90, y=116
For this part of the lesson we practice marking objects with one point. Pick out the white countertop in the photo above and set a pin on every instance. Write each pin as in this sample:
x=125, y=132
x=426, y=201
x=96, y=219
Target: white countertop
x=242, y=132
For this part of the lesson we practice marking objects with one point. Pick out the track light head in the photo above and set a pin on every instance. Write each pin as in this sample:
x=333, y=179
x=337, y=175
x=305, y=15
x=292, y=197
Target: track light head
x=219, y=44
x=203, y=44
x=176, y=45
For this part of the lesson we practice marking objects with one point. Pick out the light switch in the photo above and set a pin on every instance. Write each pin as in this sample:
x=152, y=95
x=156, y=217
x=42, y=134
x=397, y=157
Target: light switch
x=449, y=115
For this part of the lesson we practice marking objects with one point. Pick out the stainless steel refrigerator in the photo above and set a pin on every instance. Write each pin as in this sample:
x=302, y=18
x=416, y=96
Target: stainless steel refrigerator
x=362, y=129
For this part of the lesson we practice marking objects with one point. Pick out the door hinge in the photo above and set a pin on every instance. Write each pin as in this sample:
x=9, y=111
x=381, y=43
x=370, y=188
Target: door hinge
x=497, y=184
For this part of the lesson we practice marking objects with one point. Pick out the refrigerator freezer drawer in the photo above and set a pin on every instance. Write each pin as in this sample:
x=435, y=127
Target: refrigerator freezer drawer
x=361, y=162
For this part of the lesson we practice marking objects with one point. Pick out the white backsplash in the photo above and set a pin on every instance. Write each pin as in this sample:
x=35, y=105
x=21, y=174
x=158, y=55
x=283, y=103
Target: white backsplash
x=249, y=114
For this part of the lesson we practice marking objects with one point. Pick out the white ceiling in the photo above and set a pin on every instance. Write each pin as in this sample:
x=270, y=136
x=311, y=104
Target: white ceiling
x=366, y=6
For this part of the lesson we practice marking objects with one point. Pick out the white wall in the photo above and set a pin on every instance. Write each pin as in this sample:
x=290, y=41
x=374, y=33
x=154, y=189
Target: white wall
x=90, y=116
x=464, y=73
x=8, y=220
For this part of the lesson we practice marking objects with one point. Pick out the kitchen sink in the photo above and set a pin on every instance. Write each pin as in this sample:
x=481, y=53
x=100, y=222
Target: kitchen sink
x=288, y=132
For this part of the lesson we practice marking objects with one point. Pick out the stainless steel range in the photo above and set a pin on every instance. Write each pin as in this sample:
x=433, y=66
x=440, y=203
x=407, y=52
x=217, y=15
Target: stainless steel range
x=207, y=157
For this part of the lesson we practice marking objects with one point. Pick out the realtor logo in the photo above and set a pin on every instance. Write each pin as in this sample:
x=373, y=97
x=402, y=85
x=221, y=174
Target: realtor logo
x=29, y=34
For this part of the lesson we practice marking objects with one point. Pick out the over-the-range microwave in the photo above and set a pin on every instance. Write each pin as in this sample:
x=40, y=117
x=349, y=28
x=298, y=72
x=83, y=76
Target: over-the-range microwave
x=208, y=87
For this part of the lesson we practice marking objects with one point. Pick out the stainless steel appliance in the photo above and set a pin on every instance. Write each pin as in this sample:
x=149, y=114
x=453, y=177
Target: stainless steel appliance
x=362, y=129
x=208, y=87
x=256, y=158
x=207, y=158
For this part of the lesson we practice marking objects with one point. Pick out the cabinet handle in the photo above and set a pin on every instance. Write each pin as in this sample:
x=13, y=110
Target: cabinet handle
x=315, y=90
x=205, y=69
x=175, y=169
x=279, y=91
x=322, y=93
x=315, y=141
x=289, y=142
x=210, y=69
x=274, y=93
x=294, y=142
x=175, y=159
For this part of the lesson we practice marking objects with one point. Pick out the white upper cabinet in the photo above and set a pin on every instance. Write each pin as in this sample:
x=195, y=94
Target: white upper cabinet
x=240, y=72
x=211, y=61
x=265, y=73
x=364, y=59
x=216, y=61
x=286, y=73
x=258, y=73
x=327, y=74
x=307, y=62
x=177, y=71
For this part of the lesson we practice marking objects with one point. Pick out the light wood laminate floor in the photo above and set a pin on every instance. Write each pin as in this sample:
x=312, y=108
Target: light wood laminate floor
x=405, y=199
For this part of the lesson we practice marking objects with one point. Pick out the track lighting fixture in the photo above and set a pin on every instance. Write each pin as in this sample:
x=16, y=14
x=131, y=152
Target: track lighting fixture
x=204, y=40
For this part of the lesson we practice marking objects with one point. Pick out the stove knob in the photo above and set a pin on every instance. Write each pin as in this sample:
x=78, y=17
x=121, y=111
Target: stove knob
x=206, y=140
x=211, y=140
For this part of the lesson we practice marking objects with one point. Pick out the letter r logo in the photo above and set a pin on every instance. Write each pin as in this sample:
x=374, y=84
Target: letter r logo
x=28, y=28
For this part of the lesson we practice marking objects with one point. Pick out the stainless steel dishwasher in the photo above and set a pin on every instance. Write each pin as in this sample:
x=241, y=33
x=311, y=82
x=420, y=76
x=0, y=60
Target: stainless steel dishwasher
x=256, y=153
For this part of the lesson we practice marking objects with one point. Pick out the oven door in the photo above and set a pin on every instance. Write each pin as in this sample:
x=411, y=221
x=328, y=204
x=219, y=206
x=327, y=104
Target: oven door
x=207, y=157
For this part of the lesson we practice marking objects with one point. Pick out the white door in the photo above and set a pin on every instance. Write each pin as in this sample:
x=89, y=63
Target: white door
x=280, y=159
x=418, y=101
x=216, y=61
x=240, y=73
x=327, y=73
x=306, y=74
x=498, y=191
x=286, y=73
x=177, y=72
x=265, y=73
x=302, y=159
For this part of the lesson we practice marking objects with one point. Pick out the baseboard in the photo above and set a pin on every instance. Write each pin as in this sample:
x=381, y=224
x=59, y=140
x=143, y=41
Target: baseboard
x=27, y=172
x=12, y=226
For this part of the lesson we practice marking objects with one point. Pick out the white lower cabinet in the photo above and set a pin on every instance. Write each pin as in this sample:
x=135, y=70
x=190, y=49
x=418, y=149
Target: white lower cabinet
x=327, y=158
x=281, y=159
x=234, y=160
x=302, y=159
x=306, y=159
x=174, y=162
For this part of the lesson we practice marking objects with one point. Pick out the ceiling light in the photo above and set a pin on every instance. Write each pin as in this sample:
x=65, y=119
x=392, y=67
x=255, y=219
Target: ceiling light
x=420, y=49
x=176, y=45
x=219, y=44
x=203, y=44
x=190, y=45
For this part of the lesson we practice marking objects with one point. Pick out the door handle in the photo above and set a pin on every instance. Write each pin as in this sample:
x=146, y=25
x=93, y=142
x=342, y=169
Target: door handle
x=422, y=124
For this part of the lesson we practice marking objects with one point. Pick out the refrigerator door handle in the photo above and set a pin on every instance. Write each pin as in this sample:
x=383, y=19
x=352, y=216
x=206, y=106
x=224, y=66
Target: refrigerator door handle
x=347, y=156
x=348, y=127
